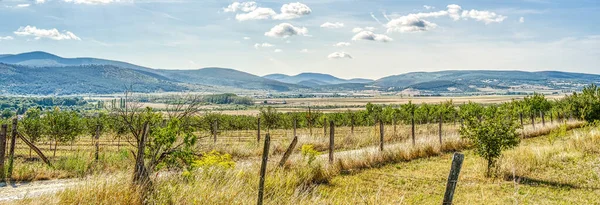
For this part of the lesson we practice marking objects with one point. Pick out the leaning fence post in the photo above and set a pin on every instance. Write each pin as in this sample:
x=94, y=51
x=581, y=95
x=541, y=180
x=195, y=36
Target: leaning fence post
x=457, y=160
x=263, y=169
x=13, y=140
x=288, y=152
x=2, y=151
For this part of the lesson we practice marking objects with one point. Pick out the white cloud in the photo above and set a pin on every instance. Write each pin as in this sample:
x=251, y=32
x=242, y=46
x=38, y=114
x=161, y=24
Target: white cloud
x=6, y=38
x=358, y=29
x=332, y=25
x=257, y=14
x=40, y=1
x=428, y=7
x=285, y=30
x=93, y=2
x=246, y=38
x=339, y=55
x=416, y=23
x=485, y=16
x=370, y=36
x=23, y=5
x=53, y=34
x=292, y=11
x=263, y=45
x=409, y=24
x=522, y=20
x=341, y=44
x=454, y=11
x=278, y=50
x=251, y=11
x=304, y=51
x=241, y=6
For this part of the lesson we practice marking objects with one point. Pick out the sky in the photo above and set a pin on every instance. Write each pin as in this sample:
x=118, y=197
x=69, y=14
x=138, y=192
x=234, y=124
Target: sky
x=345, y=38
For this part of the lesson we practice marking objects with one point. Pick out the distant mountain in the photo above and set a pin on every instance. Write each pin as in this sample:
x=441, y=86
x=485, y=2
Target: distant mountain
x=67, y=80
x=43, y=59
x=469, y=79
x=227, y=77
x=314, y=79
x=48, y=74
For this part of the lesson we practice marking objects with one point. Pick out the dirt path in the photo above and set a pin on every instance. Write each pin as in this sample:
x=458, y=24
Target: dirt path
x=20, y=190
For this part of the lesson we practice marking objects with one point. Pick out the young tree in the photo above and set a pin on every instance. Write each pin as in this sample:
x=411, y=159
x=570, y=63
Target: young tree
x=7, y=113
x=63, y=126
x=156, y=146
x=490, y=136
x=270, y=117
x=33, y=126
x=585, y=104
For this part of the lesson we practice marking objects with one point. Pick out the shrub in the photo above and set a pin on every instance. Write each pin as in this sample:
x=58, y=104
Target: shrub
x=309, y=153
x=491, y=136
x=214, y=159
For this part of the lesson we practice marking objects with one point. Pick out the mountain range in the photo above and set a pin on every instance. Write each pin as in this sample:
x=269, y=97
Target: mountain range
x=43, y=73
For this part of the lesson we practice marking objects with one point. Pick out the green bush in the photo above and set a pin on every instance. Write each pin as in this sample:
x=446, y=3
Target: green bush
x=309, y=153
x=214, y=159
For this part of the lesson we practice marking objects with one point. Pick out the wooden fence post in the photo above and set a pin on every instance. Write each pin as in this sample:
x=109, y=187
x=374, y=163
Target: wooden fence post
x=331, y=140
x=288, y=152
x=97, y=142
x=542, y=115
x=2, y=151
x=381, y=135
x=34, y=148
x=457, y=160
x=551, y=117
x=394, y=124
x=214, y=131
x=324, y=127
x=521, y=117
x=454, y=119
x=532, y=120
x=258, y=130
x=440, y=126
x=412, y=122
x=295, y=128
x=11, y=156
x=263, y=169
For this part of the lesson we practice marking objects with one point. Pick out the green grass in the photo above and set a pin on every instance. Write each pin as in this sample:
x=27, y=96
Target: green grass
x=564, y=172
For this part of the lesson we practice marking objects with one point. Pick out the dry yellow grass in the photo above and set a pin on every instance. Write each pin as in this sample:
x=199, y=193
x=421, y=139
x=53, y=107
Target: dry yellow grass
x=316, y=183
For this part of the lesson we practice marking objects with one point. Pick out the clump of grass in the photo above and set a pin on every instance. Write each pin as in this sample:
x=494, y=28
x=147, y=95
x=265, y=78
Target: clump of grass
x=528, y=161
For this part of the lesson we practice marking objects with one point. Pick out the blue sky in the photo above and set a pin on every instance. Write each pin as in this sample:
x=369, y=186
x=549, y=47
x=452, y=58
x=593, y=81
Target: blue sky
x=367, y=39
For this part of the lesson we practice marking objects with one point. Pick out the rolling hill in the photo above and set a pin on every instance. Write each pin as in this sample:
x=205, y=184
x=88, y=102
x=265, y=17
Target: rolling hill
x=45, y=74
x=30, y=71
x=228, y=78
x=68, y=80
x=43, y=59
x=467, y=79
x=314, y=79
